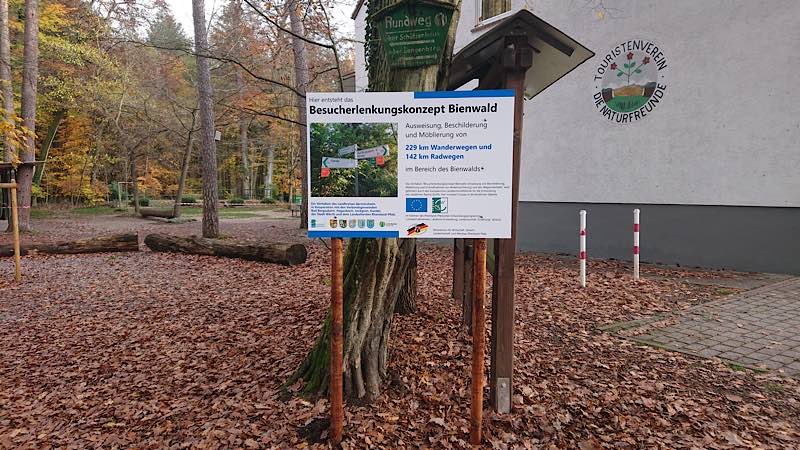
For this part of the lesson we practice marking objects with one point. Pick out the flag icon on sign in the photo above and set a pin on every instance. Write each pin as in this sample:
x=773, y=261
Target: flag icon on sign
x=416, y=204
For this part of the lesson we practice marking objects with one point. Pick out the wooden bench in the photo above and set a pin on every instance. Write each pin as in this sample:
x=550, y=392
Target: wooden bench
x=294, y=208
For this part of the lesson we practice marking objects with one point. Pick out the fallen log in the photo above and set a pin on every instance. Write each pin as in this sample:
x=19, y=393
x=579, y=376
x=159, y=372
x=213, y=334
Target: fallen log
x=126, y=242
x=8, y=250
x=279, y=253
x=164, y=213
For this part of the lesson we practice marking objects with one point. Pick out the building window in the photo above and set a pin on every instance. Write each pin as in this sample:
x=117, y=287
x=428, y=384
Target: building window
x=492, y=8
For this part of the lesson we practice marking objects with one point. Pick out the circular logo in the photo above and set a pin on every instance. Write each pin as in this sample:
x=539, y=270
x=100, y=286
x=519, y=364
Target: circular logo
x=630, y=82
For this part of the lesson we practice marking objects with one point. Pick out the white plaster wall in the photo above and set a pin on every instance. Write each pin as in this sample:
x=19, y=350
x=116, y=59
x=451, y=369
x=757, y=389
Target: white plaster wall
x=726, y=133
x=361, y=65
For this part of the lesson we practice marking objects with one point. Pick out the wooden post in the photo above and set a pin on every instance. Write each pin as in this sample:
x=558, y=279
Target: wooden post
x=468, y=294
x=478, y=339
x=458, y=269
x=14, y=221
x=15, y=230
x=518, y=57
x=337, y=338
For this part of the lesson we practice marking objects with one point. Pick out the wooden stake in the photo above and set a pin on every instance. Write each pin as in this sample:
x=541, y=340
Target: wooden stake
x=14, y=228
x=478, y=338
x=337, y=335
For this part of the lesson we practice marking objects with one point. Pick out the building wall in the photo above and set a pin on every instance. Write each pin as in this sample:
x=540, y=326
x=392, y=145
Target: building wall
x=758, y=239
x=726, y=133
x=715, y=168
x=361, y=64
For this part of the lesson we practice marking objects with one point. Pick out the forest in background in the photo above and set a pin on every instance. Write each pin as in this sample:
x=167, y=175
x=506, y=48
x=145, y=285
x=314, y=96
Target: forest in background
x=117, y=98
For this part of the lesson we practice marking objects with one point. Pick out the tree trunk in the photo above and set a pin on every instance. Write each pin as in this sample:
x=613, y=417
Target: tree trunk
x=205, y=99
x=407, y=302
x=268, y=192
x=128, y=242
x=30, y=77
x=375, y=269
x=58, y=117
x=9, y=113
x=134, y=180
x=301, y=83
x=373, y=277
x=187, y=158
x=278, y=253
x=244, y=125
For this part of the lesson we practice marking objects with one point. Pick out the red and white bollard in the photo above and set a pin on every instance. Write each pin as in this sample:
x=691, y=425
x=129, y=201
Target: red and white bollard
x=583, y=248
x=635, y=244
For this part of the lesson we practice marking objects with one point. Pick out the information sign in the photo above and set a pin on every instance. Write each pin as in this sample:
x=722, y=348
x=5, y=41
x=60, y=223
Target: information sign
x=442, y=164
x=414, y=35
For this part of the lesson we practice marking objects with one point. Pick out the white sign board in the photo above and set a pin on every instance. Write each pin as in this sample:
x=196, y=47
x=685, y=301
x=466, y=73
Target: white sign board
x=444, y=171
x=373, y=152
x=339, y=163
x=350, y=149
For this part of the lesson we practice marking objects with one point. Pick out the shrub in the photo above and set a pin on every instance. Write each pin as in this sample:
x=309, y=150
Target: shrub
x=236, y=201
x=188, y=199
x=143, y=201
x=268, y=200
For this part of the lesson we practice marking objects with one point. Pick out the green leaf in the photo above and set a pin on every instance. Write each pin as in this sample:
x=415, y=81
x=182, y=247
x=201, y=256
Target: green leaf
x=638, y=71
x=620, y=74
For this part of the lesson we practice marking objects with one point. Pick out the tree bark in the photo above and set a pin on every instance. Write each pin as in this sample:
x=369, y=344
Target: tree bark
x=9, y=146
x=244, y=124
x=127, y=242
x=301, y=84
x=58, y=117
x=134, y=179
x=205, y=99
x=30, y=77
x=278, y=253
x=407, y=302
x=375, y=269
x=187, y=158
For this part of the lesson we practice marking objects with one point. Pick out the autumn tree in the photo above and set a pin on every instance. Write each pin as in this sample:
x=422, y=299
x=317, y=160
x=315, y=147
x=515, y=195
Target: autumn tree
x=301, y=84
x=374, y=269
x=30, y=78
x=5, y=78
x=207, y=130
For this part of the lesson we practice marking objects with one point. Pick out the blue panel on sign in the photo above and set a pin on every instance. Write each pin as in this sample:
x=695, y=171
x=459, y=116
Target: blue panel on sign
x=416, y=204
x=465, y=94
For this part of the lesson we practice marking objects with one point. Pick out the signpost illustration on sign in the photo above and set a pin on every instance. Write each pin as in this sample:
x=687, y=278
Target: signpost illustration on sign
x=439, y=164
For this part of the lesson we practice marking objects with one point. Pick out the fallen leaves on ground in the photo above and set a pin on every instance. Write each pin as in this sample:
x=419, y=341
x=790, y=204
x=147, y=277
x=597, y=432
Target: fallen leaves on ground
x=153, y=350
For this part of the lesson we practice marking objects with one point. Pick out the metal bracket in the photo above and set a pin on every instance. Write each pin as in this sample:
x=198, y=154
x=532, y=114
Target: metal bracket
x=504, y=395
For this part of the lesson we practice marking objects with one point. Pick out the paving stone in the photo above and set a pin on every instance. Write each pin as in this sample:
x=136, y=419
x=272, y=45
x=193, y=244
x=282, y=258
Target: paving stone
x=760, y=327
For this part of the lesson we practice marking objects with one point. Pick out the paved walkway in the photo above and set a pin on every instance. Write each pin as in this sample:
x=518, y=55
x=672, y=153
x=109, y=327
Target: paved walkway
x=758, y=328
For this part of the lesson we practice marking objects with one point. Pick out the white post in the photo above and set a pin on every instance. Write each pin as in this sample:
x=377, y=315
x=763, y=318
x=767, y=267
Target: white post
x=635, y=244
x=583, y=248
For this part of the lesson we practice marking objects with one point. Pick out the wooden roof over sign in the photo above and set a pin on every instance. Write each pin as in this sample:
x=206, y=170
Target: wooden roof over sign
x=556, y=53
